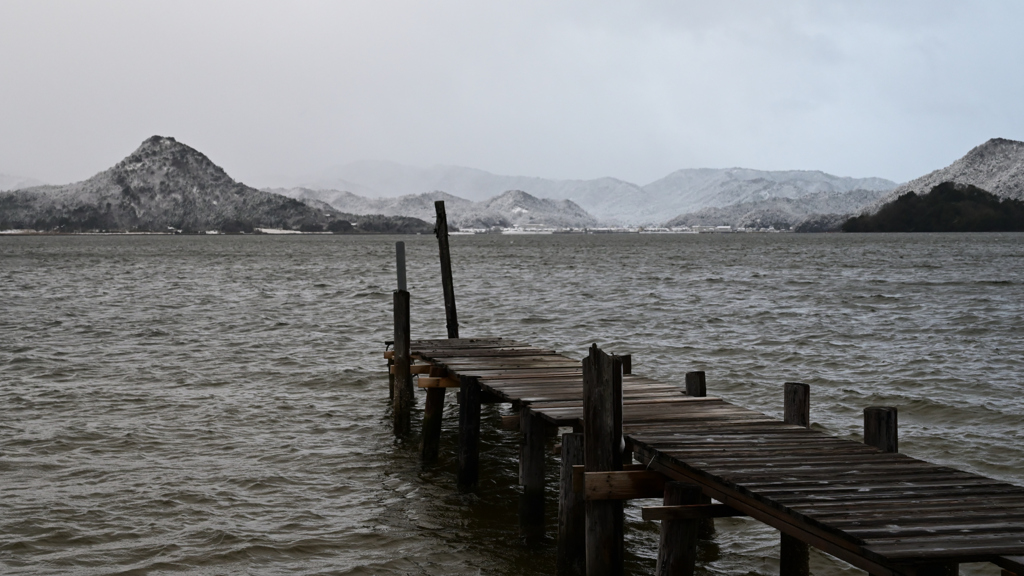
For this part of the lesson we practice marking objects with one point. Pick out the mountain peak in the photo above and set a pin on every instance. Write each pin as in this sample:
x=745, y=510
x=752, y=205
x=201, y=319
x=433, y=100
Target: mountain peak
x=997, y=147
x=996, y=166
x=164, y=159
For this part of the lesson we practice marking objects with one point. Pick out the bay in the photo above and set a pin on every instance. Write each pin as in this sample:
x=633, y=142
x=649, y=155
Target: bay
x=218, y=404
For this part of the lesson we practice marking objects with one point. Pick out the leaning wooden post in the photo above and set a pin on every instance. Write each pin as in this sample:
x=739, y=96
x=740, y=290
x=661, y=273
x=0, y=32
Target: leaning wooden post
x=441, y=231
x=677, y=552
x=403, y=398
x=572, y=536
x=602, y=428
x=433, y=409
x=696, y=386
x=469, y=433
x=531, y=501
x=794, y=557
x=881, y=428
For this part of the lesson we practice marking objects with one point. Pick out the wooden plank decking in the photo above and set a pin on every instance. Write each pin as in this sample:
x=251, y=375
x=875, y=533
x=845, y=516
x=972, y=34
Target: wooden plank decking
x=883, y=512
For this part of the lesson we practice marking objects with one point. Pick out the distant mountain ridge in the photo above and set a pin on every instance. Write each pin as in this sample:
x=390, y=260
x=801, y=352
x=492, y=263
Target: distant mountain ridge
x=693, y=190
x=511, y=208
x=997, y=166
x=782, y=212
x=164, y=185
x=610, y=200
x=10, y=182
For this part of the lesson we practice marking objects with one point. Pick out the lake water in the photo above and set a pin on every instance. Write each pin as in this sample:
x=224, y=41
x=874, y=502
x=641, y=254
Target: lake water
x=218, y=404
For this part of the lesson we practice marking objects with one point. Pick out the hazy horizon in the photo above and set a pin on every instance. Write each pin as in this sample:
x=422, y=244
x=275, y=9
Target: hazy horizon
x=278, y=94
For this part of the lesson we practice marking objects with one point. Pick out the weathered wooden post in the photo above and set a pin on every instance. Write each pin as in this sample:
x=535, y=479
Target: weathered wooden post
x=794, y=557
x=433, y=412
x=602, y=428
x=400, y=264
x=441, y=231
x=572, y=518
x=469, y=433
x=531, y=460
x=797, y=404
x=403, y=397
x=696, y=386
x=677, y=551
x=881, y=428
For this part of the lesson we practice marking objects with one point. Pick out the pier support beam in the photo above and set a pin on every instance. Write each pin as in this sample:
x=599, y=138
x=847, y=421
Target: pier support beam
x=469, y=434
x=572, y=541
x=602, y=423
x=531, y=464
x=794, y=557
x=433, y=411
x=677, y=551
x=403, y=398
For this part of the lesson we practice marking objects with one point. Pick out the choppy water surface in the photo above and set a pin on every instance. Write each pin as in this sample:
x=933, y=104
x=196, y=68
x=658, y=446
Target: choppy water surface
x=218, y=405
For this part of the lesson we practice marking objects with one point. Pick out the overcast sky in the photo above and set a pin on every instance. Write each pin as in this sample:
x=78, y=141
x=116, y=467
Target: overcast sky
x=280, y=91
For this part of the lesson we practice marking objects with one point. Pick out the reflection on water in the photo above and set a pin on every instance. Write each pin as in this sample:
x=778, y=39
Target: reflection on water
x=218, y=404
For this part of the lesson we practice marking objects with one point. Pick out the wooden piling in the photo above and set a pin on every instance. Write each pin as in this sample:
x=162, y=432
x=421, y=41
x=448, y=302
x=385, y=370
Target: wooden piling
x=881, y=428
x=794, y=557
x=403, y=399
x=602, y=424
x=797, y=404
x=400, y=264
x=531, y=501
x=572, y=543
x=794, y=554
x=433, y=411
x=469, y=434
x=677, y=551
x=696, y=384
x=441, y=231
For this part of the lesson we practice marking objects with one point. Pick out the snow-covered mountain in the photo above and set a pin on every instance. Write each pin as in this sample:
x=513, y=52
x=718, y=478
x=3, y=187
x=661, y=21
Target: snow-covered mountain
x=163, y=184
x=997, y=166
x=608, y=199
x=783, y=212
x=511, y=208
x=688, y=191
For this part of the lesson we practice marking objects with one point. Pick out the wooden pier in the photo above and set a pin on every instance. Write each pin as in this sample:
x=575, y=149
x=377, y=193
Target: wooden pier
x=864, y=503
